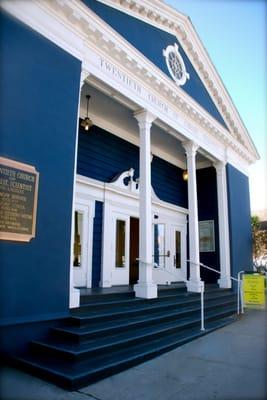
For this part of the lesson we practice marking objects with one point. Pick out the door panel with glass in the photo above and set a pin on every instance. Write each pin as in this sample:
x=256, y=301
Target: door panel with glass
x=120, y=270
x=80, y=245
x=178, y=251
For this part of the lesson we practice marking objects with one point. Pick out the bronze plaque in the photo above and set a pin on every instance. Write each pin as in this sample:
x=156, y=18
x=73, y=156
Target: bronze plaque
x=18, y=200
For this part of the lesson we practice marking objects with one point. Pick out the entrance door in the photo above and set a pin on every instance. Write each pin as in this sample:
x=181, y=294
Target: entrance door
x=134, y=250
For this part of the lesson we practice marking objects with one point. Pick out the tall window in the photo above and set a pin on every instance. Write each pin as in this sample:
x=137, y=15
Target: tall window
x=159, y=244
x=77, y=248
x=177, y=261
x=120, y=243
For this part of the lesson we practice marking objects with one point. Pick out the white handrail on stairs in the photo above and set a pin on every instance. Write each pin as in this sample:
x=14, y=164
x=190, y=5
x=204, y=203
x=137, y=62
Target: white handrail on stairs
x=238, y=280
x=239, y=291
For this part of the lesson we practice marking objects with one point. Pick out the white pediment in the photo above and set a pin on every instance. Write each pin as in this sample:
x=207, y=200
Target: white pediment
x=164, y=17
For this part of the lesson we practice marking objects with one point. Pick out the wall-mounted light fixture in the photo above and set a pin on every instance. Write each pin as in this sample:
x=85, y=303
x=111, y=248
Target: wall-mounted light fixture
x=185, y=175
x=86, y=122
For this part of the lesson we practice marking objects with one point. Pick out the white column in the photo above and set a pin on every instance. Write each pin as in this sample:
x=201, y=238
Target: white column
x=74, y=296
x=194, y=284
x=145, y=287
x=224, y=281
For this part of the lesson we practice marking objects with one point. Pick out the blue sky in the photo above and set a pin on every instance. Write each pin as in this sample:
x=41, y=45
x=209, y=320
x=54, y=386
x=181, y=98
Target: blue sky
x=234, y=33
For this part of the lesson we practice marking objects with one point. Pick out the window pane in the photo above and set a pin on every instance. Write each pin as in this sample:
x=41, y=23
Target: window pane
x=77, y=250
x=120, y=244
x=177, y=249
x=159, y=244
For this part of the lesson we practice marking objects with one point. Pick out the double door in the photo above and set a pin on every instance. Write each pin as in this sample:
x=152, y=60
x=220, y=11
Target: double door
x=169, y=251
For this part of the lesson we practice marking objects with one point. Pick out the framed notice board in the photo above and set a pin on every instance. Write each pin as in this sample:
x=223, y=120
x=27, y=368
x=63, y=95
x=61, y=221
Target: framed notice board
x=206, y=236
x=254, y=290
x=18, y=200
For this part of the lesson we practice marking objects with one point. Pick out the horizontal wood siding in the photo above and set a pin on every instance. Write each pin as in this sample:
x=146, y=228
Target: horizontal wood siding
x=102, y=156
x=208, y=210
x=168, y=183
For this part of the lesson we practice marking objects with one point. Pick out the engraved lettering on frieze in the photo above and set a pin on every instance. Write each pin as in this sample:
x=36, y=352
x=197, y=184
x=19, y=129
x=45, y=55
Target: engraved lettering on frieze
x=169, y=112
x=121, y=76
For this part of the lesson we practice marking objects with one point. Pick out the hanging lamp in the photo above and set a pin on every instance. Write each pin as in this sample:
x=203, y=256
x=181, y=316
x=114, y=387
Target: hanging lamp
x=87, y=122
x=185, y=175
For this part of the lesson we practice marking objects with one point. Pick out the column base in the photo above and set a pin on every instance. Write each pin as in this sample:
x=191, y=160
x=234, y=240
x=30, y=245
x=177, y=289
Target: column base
x=105, y=284
x=146, y=290
x=225, y=282
x=74, y=298
x=194, y=286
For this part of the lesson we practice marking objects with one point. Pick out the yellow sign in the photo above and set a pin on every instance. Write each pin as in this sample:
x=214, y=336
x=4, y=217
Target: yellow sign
x=253, y=290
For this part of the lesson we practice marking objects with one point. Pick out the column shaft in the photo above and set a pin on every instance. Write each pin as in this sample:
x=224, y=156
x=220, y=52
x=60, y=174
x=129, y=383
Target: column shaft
x=145, y=287
x=194, y=284
x=224, y=281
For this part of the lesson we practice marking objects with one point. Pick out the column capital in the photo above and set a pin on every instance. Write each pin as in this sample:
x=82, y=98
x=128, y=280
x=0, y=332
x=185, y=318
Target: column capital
x=144, y=117
x=219, y=166
x=190, y=147
x=84, y=76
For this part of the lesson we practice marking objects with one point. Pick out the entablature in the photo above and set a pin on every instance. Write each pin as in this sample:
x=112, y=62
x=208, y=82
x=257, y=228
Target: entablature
x=78, y=30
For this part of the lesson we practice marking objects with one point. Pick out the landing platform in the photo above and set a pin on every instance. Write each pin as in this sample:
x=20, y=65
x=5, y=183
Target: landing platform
x=123, y=289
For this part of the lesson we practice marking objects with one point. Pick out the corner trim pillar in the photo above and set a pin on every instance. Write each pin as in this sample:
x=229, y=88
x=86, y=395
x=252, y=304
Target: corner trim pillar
x=74, y=294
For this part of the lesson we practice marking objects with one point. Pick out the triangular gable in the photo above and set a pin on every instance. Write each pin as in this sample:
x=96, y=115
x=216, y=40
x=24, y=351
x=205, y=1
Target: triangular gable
x=151, y=41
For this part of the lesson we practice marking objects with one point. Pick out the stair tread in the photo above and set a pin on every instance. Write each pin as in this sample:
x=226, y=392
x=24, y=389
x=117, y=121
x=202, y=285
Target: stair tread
x=105, y=326
x=102, y=342
x=87, y=367
x=97, y=343
x=83, y=314
x=162, y=295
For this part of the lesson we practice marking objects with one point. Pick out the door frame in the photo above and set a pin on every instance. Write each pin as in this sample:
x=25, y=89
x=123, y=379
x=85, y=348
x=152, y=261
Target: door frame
x=124, y=202
x=120, y=276
x=172, y=222
x=83, y=277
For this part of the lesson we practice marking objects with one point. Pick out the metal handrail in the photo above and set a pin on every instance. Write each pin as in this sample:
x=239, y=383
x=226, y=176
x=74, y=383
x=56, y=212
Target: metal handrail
x=211, y=269
x=238, y=280
x=239, y=291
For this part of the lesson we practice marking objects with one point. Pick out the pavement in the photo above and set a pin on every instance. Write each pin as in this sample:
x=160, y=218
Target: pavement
x=228, y=364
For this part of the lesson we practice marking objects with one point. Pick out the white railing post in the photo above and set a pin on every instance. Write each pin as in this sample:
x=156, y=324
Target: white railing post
x=238, y=295
x=240, y=300
x=202, y=309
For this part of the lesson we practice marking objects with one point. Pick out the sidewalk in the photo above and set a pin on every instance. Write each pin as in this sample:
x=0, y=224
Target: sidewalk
x=229, y=364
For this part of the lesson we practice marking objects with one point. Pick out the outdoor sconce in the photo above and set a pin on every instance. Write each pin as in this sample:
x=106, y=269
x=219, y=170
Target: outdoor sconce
x=185, y=175
x=86, y=122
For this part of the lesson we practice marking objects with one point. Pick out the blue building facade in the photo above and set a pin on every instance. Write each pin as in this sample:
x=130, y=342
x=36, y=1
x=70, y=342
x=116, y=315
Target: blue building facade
x=126, y=173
